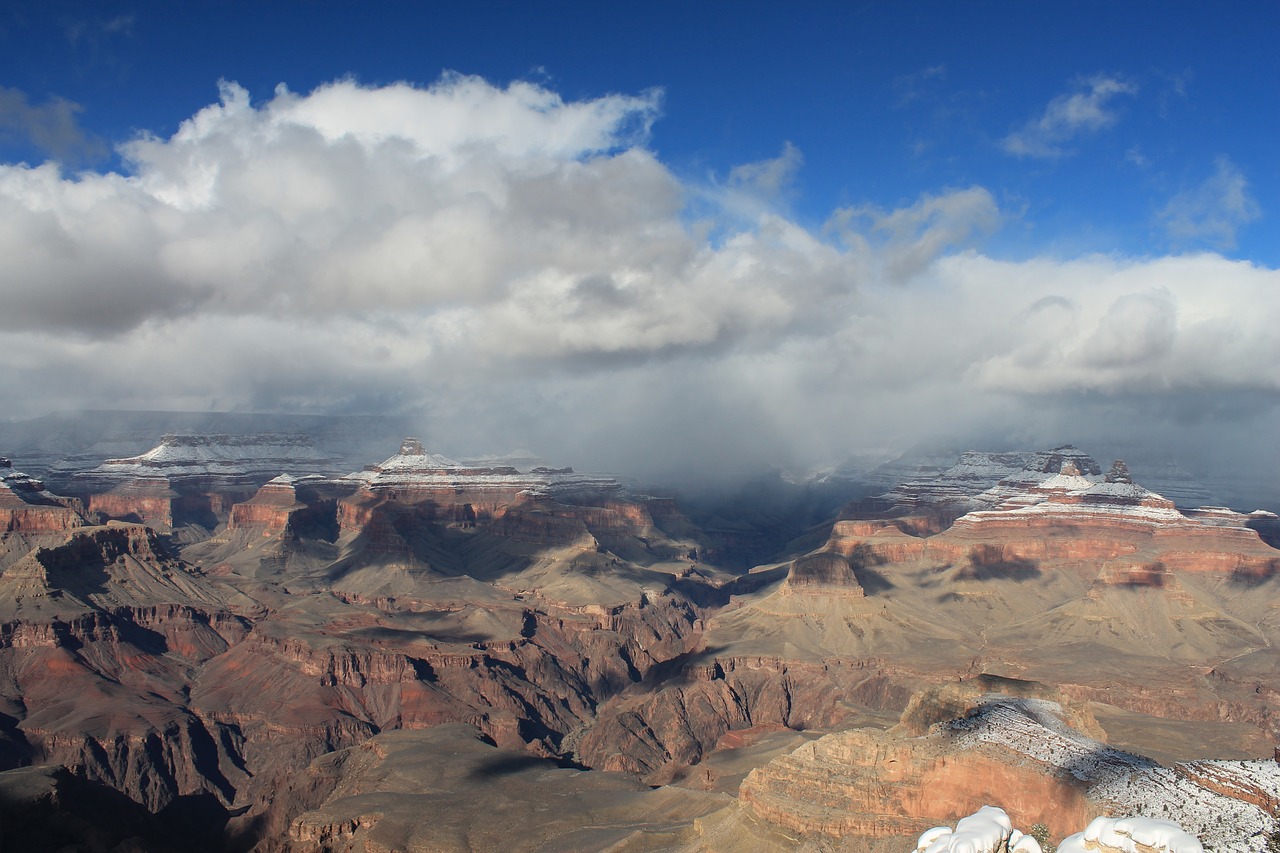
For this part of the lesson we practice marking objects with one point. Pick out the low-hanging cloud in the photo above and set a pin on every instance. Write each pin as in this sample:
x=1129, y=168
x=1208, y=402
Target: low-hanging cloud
x=523, y=269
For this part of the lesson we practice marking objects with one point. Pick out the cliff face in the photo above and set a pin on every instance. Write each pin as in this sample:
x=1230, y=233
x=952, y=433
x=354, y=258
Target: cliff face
x=869, y=784
x=1016, y=752
x=193, y=479
x=1057, y=509
x=656, y=735
x=292, y=506
x=26, y=506
x=127, y=663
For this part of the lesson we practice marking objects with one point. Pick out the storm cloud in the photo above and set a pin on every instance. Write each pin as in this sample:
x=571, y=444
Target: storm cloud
x=521, y=269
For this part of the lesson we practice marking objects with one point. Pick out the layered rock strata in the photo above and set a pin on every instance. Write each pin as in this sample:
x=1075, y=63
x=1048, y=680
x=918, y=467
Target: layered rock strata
x=194, y=478
x=26, y=506
x=1012, y=751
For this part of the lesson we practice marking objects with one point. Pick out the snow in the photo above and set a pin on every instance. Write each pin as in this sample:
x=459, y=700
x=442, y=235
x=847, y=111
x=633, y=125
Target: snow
x=433, y=471
x=24, y=487
x=419, y=462
x=182, y=456
x=987, y=830
x=1126, y=833
x=1067, y=483
x=1017, y=486
x=1129, y=783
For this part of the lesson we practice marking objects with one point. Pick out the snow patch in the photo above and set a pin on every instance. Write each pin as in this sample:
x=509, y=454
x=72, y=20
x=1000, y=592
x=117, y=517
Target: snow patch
x=1132, y=835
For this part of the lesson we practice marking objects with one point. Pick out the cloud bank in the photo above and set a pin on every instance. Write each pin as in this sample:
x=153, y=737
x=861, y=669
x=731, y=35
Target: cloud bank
x=522, y=269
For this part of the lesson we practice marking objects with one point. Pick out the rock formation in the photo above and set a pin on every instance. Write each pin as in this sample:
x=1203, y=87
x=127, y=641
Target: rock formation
x=1014, y=751
x=26, y=506
x=193, y=478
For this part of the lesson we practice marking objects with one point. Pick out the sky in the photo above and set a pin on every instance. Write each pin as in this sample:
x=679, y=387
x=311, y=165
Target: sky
x=666, y=237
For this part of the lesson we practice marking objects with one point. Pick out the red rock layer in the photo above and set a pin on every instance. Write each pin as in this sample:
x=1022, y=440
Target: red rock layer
x=26, y=518
x=866, y=783
x=26, y=507
x=147, y=501
x=270, y=508
x=1223, y=777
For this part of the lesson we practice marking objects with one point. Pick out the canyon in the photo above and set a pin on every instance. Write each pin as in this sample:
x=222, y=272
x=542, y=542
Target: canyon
x=241, y=638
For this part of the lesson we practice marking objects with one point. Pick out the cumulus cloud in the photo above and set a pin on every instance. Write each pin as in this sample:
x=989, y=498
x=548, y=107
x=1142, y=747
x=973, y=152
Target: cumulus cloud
x=1212, y=212
x=522, y=269
x=1068, y=117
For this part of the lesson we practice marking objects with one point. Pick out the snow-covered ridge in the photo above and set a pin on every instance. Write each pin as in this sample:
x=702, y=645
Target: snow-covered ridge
x=986, y=488
x=978, y=471
x=1128, y=783
x=236, y=457
x=17, y=487
x=415, y=468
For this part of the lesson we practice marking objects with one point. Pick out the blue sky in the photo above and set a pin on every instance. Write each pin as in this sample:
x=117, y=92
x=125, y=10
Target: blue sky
x=884, y=101
x=838, y=222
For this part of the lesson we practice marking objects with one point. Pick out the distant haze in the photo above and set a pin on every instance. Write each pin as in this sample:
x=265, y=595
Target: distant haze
x=508, y=268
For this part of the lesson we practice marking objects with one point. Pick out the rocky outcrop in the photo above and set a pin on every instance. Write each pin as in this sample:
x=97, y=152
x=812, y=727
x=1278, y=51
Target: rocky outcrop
x=988, y=830
x=1015, y=752
x=47, y=807
x=26, y=506
x=658, y=735
x=1057, y=508
x=869, y=784
x=415, y=476
x=961, y=485
x=823, y=573
x=1255, y=782
x=146, y=500
x=1132, y=835
x=194, y=479
x=441, y=790
x=292, y=506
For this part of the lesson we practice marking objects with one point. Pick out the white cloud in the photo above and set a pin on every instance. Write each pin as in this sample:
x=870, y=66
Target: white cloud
x=1068, y=117
x=1099, y=325
x=521, y=268
x=1212, y=212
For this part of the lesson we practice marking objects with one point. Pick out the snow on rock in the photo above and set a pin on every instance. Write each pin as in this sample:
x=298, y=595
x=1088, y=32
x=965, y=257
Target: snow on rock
x=230, y=458
x=1039, y=487
x=1131, y=835
x=988, y=830
x=982, y=480
x=1215, y=801
x=415, y=468
x=26, y=505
